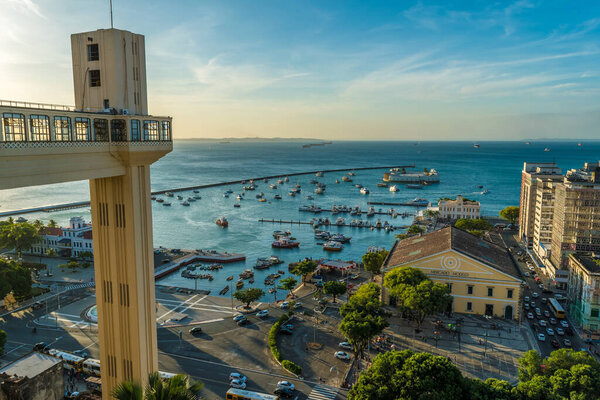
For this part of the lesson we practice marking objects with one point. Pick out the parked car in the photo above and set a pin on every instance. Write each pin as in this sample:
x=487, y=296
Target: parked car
x=529, y=315
x=342, y=355
x=285, y=331
x=555, y=344
x=553, y=321
x=237, y=384
x=41, y=346
x=543, y=323
x=560, y=331
x=567, y=343
x=527, y=299
x=564, y=324
x=535, y=295
x=297, y=305
x=239, y=317
x=532, y=304
x=544, y=300
x=36, y=305
x=285, y=304
x=195, y=330
x=538, y=312
x=541, y=337
x=526, y=274
x=286, y=385
x=345, y=346
x=236, y=376
x=546, y=313
x=262, y=313
x=526, y=306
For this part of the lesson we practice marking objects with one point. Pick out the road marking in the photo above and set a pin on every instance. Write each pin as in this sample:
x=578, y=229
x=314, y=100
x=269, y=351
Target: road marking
x=193, y=304
x=211, y=320
x=16, y=348
x=322, y=393
x=176, y=307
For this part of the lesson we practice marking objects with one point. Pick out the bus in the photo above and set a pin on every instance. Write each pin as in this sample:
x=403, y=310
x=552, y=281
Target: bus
x=239, y=394
x=91, y=367
x=556, y=308
x=71, y=361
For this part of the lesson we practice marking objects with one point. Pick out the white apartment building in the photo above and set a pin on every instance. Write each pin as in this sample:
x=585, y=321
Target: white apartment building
x=542, y=223
x=66, y=241
x=458, y=208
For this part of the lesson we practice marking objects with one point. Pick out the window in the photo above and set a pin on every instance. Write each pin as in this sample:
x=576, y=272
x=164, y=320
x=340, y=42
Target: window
x=135, y=130
x=118, y=130
x=165, y=131
x=469, y=306
x=94, y=78
x=449, y=286
x=39, y=128
x=150, y=130
x=490, y=291
x=93, y=53
x=594, y=313
x=509, y=293
x=62, y=129
x=100, y=130
x=469, y=289
x=14, y=127
x=82, y=129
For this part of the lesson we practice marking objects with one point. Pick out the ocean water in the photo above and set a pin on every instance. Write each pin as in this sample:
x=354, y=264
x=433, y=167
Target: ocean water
x=495, y=165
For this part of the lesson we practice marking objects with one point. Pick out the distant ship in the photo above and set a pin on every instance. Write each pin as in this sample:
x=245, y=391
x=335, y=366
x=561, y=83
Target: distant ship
x=547, y=149
x=579, y=144
x=305, y=146
x=476, y=145
x=527, y=142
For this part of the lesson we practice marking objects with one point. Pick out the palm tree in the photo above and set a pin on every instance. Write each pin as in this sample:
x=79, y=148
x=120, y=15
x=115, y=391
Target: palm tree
x=179, y=387
x=52, y=223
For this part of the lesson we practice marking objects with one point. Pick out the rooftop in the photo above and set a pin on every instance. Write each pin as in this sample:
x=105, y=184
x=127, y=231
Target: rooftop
x=30, y=365
x=418, y=247
x=591, y=264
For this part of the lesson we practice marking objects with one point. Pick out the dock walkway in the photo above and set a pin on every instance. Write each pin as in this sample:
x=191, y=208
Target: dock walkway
x=280, y=221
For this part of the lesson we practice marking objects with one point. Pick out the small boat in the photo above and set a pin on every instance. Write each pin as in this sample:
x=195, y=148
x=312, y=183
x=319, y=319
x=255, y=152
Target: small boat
x=153, y=198
x=272, y=290
x=160, y=200
x=260, y=195
x=414, y=186
x=179, y=197
x=579, y=144
x=229, y=191
x=196, y=191
x=281, y=272
x=421, y=202
x=197, y=197
x=346, y=179
x=309, y=197
x=280, y=234
x=351, y=173
x=358, y=185
x=476, y=145
x=333, y=246
x=319, y=190
x=285, y=243
x=340, y=221
x=338, y=237
x=167, y=204
x=394, y=188
x=378, y=224
x=262, y=200
x=286, y=179
x=322, y=235
x=280, y=181
x=547, y=149
x=226, y=195
x=222, y=222
x=292, y=194
x=320, y=173
x=277, y=197
x=382, y=184
x=364, y=191
x=485, y=191
x=169, y=194
x=185, y=204
x=191, y=199
x=273, y=186
x=229, y=278
x=337, y=181
x=236, y=205
x=251, y=280
x=224, y=290
x=274, y=260
x=480, y=186
x=239, y=284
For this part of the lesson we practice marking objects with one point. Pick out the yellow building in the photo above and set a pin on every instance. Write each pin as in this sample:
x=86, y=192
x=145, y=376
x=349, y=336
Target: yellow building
x=482, y=276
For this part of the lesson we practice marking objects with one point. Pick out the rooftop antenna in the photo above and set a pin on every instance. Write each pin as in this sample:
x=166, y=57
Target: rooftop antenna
x=111, y=15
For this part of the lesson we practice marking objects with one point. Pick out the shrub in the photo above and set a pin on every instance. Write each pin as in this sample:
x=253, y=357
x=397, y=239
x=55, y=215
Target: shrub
x=292, y=367
x=272, y=336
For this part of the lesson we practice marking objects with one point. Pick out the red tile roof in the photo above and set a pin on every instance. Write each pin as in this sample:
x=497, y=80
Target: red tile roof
x=87, y=234
x=53, y=231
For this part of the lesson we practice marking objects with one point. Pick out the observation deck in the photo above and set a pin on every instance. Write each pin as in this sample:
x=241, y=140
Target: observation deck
x=47, y=143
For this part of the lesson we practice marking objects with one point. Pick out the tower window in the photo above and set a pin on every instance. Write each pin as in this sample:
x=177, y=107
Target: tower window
x=93, y=53
x=94, y=78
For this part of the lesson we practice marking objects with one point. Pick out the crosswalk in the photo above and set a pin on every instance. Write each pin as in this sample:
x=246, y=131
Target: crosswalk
x=322, y=393
x=79, y=286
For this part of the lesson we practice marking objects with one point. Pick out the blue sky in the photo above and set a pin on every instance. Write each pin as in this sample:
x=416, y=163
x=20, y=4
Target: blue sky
x=472, y=70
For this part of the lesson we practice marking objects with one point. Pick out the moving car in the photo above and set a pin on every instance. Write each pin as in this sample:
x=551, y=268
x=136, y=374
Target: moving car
x=286, y=385
x=550, y=331
x=564, y=324
x=560, y=331
x=526, y=299
x=239, y=317
x=288, y=326
x=41, y=346
x=237, y=384
x=567, y=343
x=236, y=376
x=347, y=346
x=342, y=355
x=535, y=295
x=285, y=304
x=297, y=305
x=285, y=331
x=195, y=330
x=543, y=322
x=243, y=322
x=541, y=337
x=553, y=321
x=546, y=313
x=262, y=314
x=530, y=315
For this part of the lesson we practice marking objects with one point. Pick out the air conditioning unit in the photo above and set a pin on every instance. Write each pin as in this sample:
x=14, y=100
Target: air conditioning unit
x=125, y=111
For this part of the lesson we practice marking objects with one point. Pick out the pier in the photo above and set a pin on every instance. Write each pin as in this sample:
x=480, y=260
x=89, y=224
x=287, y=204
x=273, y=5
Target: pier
x=385, y=203
x=280, y=221
x=80, y=204
x=362, y=212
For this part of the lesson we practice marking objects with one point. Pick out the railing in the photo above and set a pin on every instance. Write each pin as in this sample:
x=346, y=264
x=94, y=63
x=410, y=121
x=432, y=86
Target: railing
x=45, y=106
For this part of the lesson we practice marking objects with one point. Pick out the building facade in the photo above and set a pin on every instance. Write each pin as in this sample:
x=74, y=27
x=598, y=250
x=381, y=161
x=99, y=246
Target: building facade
x=68, y=241
x=529, y=180
x=584, y=292
x=35, y=376
x=542, y=224
x=458, y=208
x=576, y=220
x=482, y=276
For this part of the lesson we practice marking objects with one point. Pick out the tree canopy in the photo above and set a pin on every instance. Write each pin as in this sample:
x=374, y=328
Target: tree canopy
x=476, y=224
x=510, y=213
x=288, y=284
x=179, y=387
x=2, y=340
x=18, y=235
x=15, y=278
x=414, y=291
x=373, y=261
x=249, y=295
x=334, y=288
x=304, y=268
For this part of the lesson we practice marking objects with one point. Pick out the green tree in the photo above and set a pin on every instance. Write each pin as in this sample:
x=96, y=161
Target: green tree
x=415, y=291
x=86, y=254
x=51, y=253
x=249, y=295
x=2, y=341
x=476, y=224
x=373, y=261
x=431, y=213
x=179, y=387
x=288, y=284
x=414, y=230
x=52, y=223
x=334, y=288
x=128, y=390
x=304, y=268
x=409, y=375
x=14, y=278
x=510, y=213
x=529, y=365
x=362, y=317
x=18, y=236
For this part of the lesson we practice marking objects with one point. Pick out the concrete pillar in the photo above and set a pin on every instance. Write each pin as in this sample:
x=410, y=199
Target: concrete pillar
x=124, y=268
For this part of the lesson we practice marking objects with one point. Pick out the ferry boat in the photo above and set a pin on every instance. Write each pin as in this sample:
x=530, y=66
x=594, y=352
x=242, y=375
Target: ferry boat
x=394, y=188
x=333, y=246
x=277, y=197
x=222, y=222
x=285, y=243
x=364, y=190
x=400, y=176
x=185, y=204
x=421, y=202
x=414, y=186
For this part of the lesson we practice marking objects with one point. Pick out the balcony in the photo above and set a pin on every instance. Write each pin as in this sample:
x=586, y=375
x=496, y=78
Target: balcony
x=45, y=143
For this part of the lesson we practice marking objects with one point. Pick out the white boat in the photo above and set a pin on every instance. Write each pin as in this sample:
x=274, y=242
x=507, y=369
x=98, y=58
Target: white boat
x=333, y=246
x=340, y=221
x=286, y=179
x=547, y=149
x=319, y=190
x=319, y=173
x=273, y=186
x=169, y=194
x=364, y=190
x=394, y=188
x=239, y=197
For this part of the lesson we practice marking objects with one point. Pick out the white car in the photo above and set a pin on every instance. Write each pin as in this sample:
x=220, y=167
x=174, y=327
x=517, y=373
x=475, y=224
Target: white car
x=285, y=385
x=541, y=337
x=530, y=315
x=239, y=317
x=298, y=305
x=535, y=295
x=345, y=346
x=236, y=376
x=560, y=331
x=342, y=355
x=543, y=322
x=526, y=299
x=262, y=314
x=285, y=304
x=564, y=324
x=550, y=331
x=237, y=384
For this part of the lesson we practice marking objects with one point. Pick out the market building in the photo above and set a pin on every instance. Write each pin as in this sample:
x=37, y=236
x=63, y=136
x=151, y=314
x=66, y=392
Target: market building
x=482, y=276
